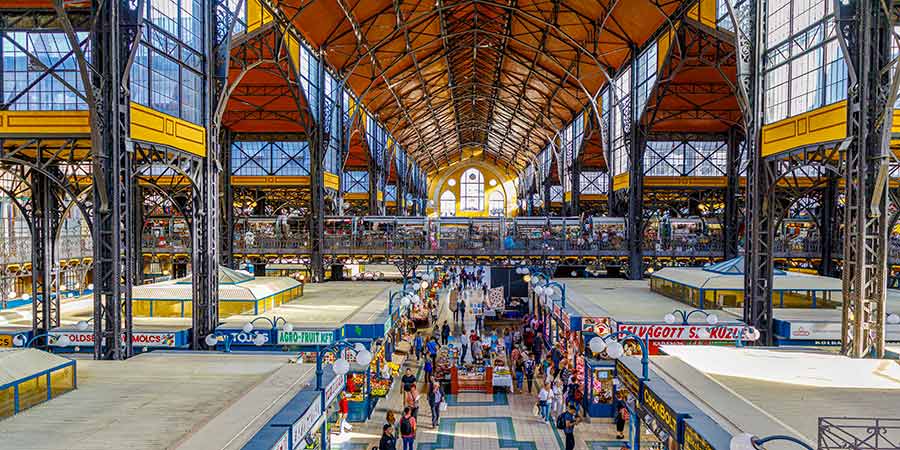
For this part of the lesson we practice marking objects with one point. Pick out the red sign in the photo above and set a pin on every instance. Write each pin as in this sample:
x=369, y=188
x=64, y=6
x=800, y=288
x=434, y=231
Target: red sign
x=683, y=332
x=77, y=338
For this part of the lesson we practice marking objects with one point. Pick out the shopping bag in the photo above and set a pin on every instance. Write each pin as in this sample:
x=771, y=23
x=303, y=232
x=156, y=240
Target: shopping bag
x=443, y=406
x=536, y=410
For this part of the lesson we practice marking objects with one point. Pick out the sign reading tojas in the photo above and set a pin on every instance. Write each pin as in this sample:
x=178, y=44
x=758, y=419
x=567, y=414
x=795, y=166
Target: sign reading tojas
x=165, y=339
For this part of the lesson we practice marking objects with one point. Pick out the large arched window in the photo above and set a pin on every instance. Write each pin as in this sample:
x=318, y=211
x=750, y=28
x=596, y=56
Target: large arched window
x=448, y=204
x=497, y=204
x=472, y=190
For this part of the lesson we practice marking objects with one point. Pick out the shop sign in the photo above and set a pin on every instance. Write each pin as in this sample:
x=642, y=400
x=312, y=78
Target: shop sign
x=556, y=310
x=661, y=411
x=627, y=378
x=240, y=338
x=815, y=330
x=6, y=340
x=282, y=443
x=683, y=332
x=78, y=338
x=305, y=423
x=693, y=440
x=334, y=388
x=597, y=325
x=305, y=337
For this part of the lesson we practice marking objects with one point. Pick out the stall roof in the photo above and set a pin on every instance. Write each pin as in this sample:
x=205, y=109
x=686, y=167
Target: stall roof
x=248, y=289
x=166, y=398
x=16, y=364
x=726, y=384
x=702, y=279
x=328, y=305
x=623, y=300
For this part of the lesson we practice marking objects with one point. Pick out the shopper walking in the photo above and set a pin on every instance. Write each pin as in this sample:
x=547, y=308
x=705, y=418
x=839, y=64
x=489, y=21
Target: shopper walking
x=445, y=333
x=411, y=401
x=557, y=401
x=529, y=371
x=408, y=429
x=462, y=310
x=544, y=397
x=622, y=415
x=568, y=420
x=479, y=317
x=388, y=440
x=419, y=345
x=463, y=346
x=408, y=379
x=428, y=369
x=435, y=397
x=432, y=347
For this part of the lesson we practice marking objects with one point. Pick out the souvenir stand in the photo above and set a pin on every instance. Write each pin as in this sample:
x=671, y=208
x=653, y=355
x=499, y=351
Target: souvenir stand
x=446, y=361
x=597, y=380
x=412, y=233
x=486, y=232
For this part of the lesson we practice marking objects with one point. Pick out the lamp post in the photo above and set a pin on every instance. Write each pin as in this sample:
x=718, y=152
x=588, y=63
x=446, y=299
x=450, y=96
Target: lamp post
x=20, y=341
x=615, y=350
x=248, y=327
x=747, y=441
x=670, y=318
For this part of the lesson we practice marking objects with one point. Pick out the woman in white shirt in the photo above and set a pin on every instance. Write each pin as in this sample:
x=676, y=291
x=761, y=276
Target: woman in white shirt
x=544, y=397
x=557, y=401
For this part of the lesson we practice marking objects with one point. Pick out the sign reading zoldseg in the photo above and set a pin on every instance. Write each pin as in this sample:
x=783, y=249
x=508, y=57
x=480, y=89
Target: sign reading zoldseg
x=663, y=413
x=628, y=379
x=693, y=441
x=305, y=337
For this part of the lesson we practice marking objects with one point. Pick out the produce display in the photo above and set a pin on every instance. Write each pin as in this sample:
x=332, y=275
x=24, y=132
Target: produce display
x=380, y=387
x=357, y=380
x=446, y=356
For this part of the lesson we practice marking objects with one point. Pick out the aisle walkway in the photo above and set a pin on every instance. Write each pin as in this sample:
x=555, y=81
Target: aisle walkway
x=475, y=421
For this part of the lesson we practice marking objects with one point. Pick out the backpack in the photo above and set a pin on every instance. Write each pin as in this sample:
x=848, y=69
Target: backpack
x=405, y=426
x=625, y=414
x=561, y=421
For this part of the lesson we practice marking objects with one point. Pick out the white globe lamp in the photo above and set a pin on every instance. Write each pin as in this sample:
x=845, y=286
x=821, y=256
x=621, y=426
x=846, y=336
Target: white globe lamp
x=743, y=441
x=288, y=327
x=259, y=340
x=211, y=340
x=341, y=366
x=364, y=357
x=669, y=318
x=615, y=350
x=82, y=325
x=19, y=341
x=597, y=344
x=712, y=319
x=248, y=327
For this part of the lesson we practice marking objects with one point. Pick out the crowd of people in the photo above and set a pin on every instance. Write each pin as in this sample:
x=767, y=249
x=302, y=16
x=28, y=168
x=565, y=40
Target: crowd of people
x=546, y=373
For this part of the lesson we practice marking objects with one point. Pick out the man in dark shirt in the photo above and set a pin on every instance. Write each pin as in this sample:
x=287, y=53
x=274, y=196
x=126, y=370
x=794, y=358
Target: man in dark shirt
x=408, y=379
x=571, y=421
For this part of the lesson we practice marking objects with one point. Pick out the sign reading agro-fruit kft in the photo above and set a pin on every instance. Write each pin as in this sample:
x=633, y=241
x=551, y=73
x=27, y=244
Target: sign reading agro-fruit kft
x=310, y=337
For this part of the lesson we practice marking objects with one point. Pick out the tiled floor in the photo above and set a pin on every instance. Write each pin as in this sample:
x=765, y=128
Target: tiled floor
x=475, y=421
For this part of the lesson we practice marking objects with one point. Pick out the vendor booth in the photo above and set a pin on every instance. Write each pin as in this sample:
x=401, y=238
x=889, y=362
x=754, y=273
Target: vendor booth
x=722, y=286
x=302, y=418
x=239, y=293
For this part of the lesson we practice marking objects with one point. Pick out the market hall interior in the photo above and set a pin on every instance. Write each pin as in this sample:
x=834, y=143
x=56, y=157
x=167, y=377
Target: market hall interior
x=473, y=224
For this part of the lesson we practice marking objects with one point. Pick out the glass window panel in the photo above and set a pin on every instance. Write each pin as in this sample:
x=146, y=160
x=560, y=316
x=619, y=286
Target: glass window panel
x=448, y=204
x=777, y=94
x=471, y=188
x=191, y=96
x=164, y=84
x=164, y=14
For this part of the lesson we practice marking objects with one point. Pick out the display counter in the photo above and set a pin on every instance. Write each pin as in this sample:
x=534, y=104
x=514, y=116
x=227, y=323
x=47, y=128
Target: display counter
x=599, y=386
x=502, y=378
x=472, y=379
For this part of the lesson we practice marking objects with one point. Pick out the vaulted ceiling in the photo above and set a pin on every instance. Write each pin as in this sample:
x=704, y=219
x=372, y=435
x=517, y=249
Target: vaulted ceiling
x=505, y=76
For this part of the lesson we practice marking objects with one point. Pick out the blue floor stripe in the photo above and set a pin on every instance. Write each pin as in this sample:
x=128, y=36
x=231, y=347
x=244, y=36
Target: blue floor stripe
x=505, y=432
x=499, y=399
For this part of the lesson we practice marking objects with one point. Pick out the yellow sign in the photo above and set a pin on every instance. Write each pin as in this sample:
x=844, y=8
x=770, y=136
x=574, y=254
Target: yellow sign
x=628, y=379
x=6, y=340
x=663, y=413
x=693, y=441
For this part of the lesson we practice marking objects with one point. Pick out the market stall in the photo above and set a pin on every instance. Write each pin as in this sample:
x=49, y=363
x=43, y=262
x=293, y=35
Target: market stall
x=599, y=387
x=529, y=233
x=472, y=378
x=486, y=232
x=376, y=232
x=608, y=232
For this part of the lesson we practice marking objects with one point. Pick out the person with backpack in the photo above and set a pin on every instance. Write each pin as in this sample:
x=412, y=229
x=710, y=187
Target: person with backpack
x=445, y=333
x=622, y=416
x=566, y=422
x=408, y=429
x=432, y=347
x=529, y=371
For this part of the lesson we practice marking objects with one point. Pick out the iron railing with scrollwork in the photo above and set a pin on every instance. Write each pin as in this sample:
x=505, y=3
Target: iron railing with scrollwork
x=859, y=433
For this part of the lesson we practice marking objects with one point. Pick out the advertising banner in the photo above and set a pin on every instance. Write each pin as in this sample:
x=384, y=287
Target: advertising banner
x=164, y=339
x=305, y=423
x=600, y=326
x=334, y=388
x=305, y=337
x=628, y=379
